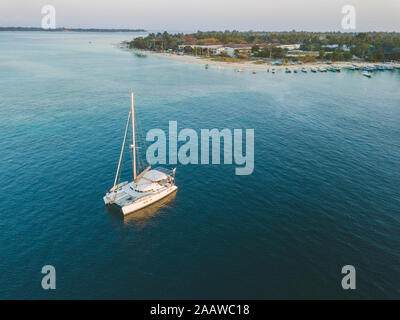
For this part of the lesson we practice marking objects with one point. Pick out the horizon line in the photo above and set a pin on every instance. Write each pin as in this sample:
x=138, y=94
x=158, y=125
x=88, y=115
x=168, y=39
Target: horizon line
x=191, y=31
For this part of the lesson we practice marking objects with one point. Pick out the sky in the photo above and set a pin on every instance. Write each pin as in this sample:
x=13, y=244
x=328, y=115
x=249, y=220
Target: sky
x=193, y=15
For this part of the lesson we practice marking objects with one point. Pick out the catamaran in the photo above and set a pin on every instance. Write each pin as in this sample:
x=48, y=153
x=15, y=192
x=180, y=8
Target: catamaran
x=147, y=187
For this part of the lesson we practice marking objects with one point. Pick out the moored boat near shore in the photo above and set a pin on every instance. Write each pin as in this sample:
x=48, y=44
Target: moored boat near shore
x=367, y=74
x=337, y=68
x=369, y=69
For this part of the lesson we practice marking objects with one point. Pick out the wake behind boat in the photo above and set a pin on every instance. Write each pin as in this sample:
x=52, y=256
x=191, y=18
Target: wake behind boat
x=147, y=187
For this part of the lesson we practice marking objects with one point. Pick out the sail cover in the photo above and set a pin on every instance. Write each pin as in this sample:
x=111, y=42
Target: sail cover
x=144, y=185
x=155, y=175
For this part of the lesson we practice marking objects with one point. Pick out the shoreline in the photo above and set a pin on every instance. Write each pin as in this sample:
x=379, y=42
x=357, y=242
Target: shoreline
x=250, y=65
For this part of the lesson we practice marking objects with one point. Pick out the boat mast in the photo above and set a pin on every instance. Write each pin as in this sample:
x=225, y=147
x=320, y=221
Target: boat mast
x=122, y=151
x=133, y=137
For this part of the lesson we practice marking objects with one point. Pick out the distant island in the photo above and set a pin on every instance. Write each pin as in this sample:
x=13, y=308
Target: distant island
x=306, y=47
x=69, y=29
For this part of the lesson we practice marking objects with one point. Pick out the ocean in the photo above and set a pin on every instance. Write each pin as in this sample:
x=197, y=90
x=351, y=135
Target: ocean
x=325, y=191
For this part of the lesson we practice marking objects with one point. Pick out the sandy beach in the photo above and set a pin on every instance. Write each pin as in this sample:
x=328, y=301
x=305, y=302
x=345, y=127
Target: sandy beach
x=246, y=64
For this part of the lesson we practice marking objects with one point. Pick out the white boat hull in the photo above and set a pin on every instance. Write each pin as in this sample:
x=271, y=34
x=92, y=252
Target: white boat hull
x=148, y=200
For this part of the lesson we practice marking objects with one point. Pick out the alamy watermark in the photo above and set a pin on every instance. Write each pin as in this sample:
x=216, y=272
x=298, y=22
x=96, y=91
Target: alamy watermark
x=49, y=280
x=349, y=280
x=349, y=19
x=49, y=18
x=197, y=151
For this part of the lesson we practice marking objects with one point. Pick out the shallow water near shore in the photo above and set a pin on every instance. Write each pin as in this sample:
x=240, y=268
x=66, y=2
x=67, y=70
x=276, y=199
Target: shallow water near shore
x=324, y=192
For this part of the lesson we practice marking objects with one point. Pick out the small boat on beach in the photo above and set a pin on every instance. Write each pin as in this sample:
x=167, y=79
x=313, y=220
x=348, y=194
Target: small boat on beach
x=313, y=70
x=140, y=55
x=147, y=187
x=337, y=69
x=384, y=67
x=369, y=69
x=304, y=70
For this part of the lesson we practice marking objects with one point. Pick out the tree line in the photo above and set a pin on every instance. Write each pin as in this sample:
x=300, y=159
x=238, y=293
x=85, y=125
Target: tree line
x=373, y=46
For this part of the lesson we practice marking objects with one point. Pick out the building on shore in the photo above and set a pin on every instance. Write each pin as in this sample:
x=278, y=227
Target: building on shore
x=301, y=53
x=242, y=50
x=210, y=50
x=290, y=47
x=335, y=46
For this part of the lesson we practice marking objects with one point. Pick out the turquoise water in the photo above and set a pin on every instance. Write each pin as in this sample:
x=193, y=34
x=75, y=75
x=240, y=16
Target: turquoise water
x=324, y=192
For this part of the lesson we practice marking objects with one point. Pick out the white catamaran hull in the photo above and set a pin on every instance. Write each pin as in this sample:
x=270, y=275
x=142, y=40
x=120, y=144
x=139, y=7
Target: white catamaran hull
x=148, y=200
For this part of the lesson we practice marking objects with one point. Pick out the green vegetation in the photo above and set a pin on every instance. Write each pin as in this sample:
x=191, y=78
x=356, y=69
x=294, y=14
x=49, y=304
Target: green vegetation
x=335, y=46
x=268, y=51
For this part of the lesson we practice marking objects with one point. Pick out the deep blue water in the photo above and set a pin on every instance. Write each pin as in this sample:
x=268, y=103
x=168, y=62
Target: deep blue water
x=325, y=191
